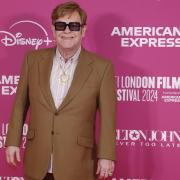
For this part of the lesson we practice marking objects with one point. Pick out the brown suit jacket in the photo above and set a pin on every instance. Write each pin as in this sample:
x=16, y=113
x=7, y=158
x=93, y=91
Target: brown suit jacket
x=69, y=131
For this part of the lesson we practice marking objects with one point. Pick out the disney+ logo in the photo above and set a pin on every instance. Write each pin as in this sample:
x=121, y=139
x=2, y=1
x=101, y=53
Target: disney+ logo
x=9, y=39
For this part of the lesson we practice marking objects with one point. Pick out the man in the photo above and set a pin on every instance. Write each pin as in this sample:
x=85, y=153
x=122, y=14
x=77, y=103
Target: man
x=64, y=86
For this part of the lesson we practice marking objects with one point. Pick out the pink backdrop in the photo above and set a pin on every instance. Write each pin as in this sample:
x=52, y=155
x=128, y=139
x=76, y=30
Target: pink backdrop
x=142, y=38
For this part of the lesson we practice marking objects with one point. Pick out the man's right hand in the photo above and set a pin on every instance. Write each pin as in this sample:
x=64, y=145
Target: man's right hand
x=12, y=154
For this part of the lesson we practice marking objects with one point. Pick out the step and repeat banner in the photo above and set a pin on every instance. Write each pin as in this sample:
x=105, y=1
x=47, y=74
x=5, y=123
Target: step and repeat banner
x=142, y=39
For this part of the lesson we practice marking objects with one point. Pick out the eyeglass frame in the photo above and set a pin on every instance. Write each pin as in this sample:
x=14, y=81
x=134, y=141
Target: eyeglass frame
x=68, y=24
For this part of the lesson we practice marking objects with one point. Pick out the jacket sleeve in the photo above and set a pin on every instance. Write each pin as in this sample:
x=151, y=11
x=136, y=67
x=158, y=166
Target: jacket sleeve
x=20, y=108
x=107, y=108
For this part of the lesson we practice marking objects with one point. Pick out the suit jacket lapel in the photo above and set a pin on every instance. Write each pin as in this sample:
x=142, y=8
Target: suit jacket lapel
x=82, y=72
x=45, y=67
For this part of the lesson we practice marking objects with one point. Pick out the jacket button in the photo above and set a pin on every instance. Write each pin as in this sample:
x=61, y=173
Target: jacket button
x=52, y=132
x=56, y=113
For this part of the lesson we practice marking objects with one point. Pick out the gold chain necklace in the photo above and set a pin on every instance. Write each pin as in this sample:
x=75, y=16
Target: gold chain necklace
x=64, y=77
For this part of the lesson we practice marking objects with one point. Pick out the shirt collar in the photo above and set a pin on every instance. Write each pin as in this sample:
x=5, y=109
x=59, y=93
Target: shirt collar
x=73, y=58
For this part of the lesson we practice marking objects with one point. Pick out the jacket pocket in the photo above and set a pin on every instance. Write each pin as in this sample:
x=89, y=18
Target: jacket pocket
x=85, y=141
x=30, y=134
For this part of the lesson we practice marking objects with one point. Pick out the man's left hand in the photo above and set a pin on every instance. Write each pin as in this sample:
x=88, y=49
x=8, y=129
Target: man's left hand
x=105, y=168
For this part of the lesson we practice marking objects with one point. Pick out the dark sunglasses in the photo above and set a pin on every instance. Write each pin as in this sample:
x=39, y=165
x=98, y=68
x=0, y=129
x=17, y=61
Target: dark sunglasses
x=73, y=26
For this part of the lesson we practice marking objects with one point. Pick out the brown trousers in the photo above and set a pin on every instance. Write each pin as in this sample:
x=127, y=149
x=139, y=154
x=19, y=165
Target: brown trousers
x=49, y=176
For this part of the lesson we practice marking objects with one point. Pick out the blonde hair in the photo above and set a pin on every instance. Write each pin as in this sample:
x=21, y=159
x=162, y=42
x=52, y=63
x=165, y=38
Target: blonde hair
x=68, y=8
